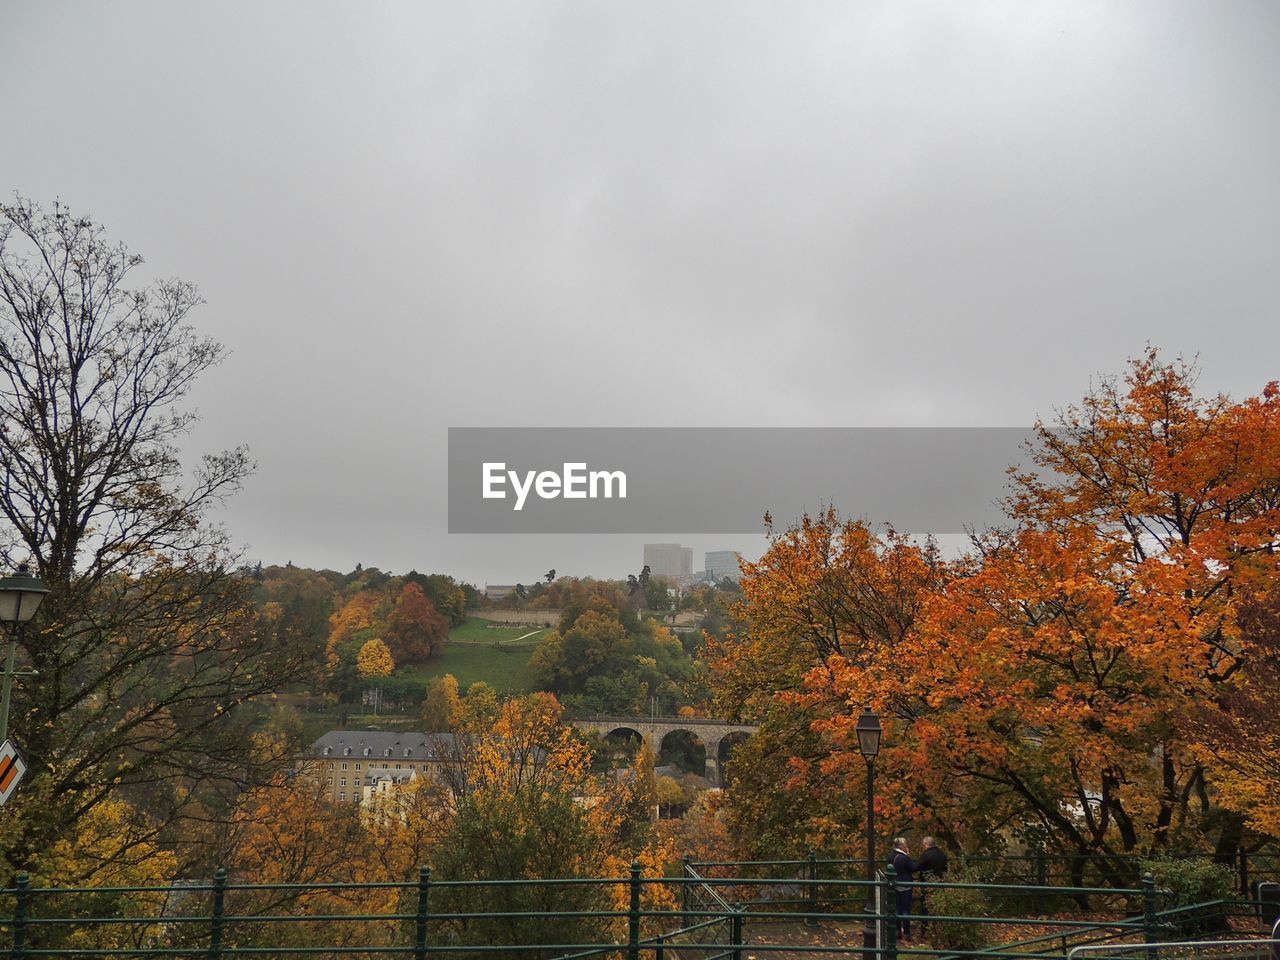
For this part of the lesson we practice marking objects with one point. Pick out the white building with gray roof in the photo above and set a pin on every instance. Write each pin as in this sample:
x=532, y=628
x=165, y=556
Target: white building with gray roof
x=354, y=765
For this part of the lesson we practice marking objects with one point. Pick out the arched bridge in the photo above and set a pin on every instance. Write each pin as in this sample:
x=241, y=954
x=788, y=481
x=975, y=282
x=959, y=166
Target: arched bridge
x=715, y=735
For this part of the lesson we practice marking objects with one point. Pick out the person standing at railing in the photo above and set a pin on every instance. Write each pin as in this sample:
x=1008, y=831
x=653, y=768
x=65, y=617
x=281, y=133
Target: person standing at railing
x=904, y=869
x=932, y=867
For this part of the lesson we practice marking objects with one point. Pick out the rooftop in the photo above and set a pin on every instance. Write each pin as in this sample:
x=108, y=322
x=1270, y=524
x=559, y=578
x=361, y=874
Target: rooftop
x=383, y=744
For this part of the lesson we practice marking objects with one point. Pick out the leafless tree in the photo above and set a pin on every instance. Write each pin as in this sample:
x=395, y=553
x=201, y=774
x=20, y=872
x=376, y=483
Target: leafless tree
x=146, y=649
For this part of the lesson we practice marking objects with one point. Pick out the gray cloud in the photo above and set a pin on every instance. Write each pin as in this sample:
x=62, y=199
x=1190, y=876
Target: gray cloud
x=407, y=217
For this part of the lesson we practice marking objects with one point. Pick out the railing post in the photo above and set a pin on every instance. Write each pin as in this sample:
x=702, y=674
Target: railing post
x=890, y=900
x=219, y=904
x=659, y=949
x=420, y=922
x=684, y=890
x=735, y=933
x=1150, y=925
x=633, y=917
x=1042, y=879
x=812, y=919
x=20, y=915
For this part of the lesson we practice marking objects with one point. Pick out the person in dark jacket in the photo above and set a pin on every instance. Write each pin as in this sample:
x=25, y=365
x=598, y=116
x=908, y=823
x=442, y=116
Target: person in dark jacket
x=932, y=867
x=904, y=869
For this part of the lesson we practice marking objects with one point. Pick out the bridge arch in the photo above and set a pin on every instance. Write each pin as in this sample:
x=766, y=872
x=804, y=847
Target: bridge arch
x=654, y=729
x=685, y=745
x=631, y=733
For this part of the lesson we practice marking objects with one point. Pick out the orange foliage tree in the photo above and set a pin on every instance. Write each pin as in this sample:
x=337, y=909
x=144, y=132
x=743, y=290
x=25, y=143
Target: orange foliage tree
x=415, y=629
x=1056, y=683
x=1237, y=735
x=287, y=833
x=826, y=594
x=358, y=615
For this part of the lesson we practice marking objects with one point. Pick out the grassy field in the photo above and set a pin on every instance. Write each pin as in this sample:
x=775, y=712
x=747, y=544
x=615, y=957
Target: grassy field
x=498, y=656
x=477, y=630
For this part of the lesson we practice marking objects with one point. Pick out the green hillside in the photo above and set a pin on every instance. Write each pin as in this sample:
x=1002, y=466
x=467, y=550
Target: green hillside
x=497, y=655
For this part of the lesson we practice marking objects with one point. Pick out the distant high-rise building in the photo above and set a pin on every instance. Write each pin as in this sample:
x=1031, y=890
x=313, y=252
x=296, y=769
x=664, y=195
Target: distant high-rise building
x=668, y=559
x=724, y=565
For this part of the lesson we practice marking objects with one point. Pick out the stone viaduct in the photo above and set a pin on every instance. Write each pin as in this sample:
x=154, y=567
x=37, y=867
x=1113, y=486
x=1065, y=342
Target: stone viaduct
x=713, y=734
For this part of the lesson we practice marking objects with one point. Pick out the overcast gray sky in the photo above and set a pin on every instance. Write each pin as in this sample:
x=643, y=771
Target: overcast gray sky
x=410, y=216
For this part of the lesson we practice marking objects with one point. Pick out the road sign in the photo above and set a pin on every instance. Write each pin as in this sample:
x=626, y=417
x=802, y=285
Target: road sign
x=12, y=768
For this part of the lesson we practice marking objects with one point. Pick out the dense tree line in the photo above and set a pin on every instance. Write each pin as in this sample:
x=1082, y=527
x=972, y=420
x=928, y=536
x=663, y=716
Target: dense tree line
x=331, y=617
x=602, y=658
x=1092, y=677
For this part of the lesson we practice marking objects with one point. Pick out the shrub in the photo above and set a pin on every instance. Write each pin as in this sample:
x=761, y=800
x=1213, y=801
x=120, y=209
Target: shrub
x=962, y=902
x=1190, y=881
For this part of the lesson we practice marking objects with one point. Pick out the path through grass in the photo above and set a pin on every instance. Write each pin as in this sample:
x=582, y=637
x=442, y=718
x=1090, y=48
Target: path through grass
x=497, y=655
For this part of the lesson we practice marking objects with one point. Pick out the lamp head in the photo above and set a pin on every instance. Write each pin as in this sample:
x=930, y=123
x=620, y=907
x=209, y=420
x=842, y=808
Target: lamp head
x=20, y=595
x=868, y=733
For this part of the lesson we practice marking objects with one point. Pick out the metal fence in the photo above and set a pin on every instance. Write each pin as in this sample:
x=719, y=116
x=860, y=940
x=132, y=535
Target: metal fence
x=1043, y=868
x=708, y=912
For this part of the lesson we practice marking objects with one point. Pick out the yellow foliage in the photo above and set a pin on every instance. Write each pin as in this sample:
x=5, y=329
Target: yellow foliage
x=113, y=848
x=374, y=660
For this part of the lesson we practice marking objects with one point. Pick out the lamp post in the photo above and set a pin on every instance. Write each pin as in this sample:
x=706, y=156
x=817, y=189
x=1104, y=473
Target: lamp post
x=869, y=745
x=20, y=597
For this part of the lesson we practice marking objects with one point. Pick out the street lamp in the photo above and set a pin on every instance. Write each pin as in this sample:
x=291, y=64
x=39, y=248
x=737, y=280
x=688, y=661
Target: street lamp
x=20, y=597
x=869, y=745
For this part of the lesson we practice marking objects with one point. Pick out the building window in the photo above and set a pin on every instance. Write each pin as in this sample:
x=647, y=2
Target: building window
x=344, y=781
x=397, y=766
x=344, y=766
x=331, y=781
x=357, y=766
x=342, y=796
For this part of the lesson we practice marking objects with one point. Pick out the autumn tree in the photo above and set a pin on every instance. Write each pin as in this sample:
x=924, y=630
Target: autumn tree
x=374, y=660
x=565, y=660
x=596, y=663
x=446, y=595
x=642, y=787
x=521, y=803
x=704, y=832
x=351, y=626
x=826, y=592
x=669, y=794
x=1052, y=683
x=442, y=708
x=288, y=834
x=1236, y=734
x=295, y=606
x=114, y=847
x=415, y=629
x=1116, y=599
x=359, y=615
x=147, y=646
x=395, y=612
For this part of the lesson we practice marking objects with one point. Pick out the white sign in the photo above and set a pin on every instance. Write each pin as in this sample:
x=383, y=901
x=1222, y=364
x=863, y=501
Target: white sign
x=12, y=768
